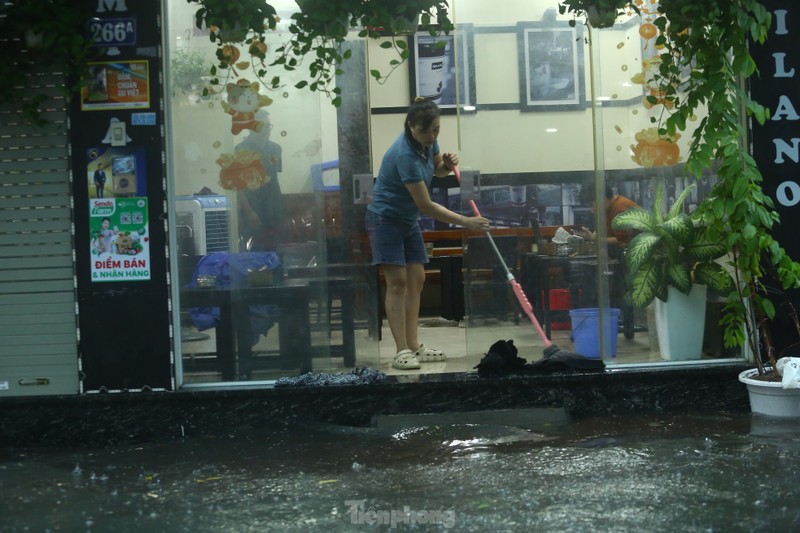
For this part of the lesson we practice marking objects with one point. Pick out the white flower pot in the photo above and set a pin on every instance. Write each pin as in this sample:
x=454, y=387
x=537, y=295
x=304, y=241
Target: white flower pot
x=769, y=397
x=680, y=322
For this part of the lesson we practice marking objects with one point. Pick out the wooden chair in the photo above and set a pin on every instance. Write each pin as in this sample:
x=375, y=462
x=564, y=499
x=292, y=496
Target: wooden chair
x=487, y=292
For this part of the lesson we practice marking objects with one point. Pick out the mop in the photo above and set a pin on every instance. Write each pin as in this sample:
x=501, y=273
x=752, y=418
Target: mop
x=551, y=349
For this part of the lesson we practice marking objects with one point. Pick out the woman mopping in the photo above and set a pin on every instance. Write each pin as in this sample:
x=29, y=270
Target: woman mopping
x=400, y=195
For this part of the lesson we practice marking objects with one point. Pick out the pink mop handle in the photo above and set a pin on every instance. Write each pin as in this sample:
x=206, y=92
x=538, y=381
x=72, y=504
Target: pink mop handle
x=528, y=308
x=515, y=286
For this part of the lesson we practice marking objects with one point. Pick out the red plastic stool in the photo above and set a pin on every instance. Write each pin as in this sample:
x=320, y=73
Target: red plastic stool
x=559, y=307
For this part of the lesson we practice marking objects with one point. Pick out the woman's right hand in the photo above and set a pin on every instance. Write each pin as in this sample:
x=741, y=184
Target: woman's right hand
x=476, y=223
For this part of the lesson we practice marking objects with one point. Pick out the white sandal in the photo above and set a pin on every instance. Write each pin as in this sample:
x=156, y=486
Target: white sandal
x=405, y=360
x=429, y=355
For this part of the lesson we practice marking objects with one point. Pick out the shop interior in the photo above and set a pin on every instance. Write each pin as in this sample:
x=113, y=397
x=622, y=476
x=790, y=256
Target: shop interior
x=538, y=112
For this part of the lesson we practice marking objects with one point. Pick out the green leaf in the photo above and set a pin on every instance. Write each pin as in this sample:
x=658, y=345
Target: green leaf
x=703, y=249
x=768, y=308
x=644, y=285
x=640, y=250
x=714, y=276
x=677, y=207
x=633, y=219
x=679, y=276
x=679, y=228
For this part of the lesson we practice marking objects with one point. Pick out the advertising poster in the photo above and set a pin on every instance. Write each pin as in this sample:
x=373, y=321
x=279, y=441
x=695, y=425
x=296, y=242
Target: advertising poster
x=117, y=85
x=115, y=172
x=120, y=239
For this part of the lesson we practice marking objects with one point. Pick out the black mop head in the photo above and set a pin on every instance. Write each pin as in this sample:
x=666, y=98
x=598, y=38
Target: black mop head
x=557, y=359
x=554, y=351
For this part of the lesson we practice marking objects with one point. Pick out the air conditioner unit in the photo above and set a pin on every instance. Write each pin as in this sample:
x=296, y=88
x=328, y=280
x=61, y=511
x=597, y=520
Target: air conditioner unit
x=204, y=220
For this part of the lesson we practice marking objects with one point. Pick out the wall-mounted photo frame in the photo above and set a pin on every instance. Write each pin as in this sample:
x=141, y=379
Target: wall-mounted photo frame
x=551, y=67
x=444, y=73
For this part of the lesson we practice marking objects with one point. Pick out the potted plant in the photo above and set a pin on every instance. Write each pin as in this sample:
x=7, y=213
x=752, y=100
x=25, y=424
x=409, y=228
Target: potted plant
x=231, y=21
x=316, y=34
x=404, y=17
x=694, y=79
x=326, y=20
x=692, y=76
x=598, y=13
x=766, y=391
x=671, y=260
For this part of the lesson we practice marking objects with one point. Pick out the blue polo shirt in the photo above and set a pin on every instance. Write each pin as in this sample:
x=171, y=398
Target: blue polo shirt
x=404, y=162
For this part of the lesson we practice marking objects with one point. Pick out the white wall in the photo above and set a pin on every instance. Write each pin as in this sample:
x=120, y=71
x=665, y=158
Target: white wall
x=512, y=140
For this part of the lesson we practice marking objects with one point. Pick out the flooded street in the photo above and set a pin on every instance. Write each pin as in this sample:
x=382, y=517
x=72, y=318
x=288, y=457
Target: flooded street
x=668, y=473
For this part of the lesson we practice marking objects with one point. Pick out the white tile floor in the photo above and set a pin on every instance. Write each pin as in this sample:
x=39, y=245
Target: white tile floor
x=464, y=348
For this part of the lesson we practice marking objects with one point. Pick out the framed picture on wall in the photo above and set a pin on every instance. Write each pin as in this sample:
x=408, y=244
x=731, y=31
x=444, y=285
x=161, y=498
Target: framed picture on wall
x=551, y=67
x=442, y=68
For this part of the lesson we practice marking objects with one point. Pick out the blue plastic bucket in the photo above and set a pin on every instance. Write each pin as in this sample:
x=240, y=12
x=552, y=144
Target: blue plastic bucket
x=586, y=331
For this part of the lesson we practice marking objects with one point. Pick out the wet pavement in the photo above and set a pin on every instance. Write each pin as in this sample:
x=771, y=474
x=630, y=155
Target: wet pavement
x=699, y=472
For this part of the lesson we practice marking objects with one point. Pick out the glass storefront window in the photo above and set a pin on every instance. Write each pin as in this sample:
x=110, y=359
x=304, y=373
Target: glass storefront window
x=579, y=147
x=546, y=118
x=270, y=277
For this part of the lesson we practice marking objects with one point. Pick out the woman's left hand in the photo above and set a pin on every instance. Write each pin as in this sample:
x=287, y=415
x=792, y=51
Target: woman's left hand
x=450, y=160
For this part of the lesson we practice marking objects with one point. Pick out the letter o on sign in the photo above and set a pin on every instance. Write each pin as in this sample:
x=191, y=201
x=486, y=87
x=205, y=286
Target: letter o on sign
x=788, y=193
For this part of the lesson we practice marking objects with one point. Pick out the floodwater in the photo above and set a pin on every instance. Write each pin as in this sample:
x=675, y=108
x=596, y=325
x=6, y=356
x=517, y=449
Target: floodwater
x=655, y=472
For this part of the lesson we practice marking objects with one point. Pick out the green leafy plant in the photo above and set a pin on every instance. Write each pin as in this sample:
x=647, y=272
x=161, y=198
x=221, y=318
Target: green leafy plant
x=599, y=13
x=42, y=36
x=703, y=65
x=317, y=32
x=695, y=72
x=400, y=18
x=227, y=19
x=669, y=249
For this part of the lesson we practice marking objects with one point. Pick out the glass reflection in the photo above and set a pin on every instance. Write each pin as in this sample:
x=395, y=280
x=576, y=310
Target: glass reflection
x=267, y=263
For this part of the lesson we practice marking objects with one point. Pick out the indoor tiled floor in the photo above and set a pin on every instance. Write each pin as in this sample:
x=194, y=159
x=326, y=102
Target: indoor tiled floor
x=464, y=348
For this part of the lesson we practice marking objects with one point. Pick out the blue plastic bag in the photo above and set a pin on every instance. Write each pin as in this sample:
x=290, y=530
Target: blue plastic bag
x=231, y=270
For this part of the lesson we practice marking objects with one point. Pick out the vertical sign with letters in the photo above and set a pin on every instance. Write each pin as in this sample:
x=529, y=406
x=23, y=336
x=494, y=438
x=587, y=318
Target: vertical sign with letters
x=776, y=144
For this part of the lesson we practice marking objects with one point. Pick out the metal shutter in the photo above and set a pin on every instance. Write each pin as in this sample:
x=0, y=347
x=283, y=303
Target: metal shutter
x=38, y=332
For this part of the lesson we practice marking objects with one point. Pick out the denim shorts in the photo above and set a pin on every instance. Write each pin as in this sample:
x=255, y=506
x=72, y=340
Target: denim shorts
x=395, y=242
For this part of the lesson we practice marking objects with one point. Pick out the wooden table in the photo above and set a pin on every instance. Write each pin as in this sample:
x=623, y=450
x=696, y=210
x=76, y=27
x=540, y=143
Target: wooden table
x=343, y=288
x=364, y=288
x=234, y=330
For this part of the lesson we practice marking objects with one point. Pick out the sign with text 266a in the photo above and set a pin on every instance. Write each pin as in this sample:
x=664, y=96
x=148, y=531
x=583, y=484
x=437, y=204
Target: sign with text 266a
x=120, y=239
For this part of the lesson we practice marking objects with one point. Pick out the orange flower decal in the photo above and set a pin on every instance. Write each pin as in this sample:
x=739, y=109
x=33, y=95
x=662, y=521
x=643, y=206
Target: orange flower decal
x=654, y=150
x=241, y=170
x=648, y=30
x=228, y=53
